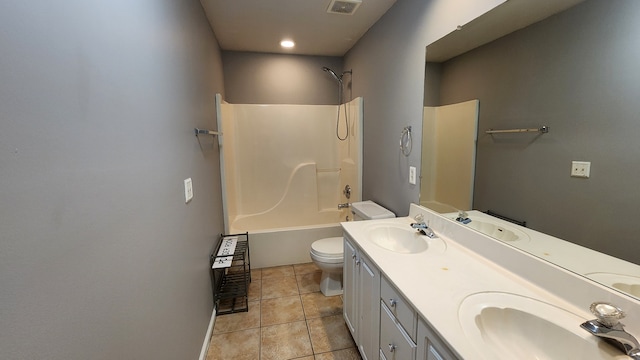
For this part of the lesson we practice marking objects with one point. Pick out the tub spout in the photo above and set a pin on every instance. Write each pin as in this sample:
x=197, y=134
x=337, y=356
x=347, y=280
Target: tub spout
x=343, y=206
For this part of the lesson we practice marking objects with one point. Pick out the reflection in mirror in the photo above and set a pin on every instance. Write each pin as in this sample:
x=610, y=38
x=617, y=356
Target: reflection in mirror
x=449, y=136
x=577, y=72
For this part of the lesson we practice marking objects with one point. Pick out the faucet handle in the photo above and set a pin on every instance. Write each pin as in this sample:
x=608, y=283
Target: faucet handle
x=608, y=314
x=419, y=217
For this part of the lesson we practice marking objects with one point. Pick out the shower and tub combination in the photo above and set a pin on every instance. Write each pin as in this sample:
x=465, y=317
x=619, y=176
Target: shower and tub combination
x=284, y=170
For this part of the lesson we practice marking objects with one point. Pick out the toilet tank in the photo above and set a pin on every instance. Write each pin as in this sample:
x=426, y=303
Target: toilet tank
x=368, y=210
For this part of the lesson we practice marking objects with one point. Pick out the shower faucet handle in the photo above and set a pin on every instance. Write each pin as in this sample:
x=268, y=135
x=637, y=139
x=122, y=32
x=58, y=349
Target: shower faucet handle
x=347, y=191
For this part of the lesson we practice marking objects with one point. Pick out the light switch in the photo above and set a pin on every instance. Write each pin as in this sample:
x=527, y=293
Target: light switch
x=188, y=190
x=580, y=169
x=412, y=175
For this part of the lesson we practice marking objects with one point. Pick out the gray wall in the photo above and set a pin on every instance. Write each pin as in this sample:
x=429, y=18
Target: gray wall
x=100, y=258
x=257, y=78
x=578, y=73
x=388, y=71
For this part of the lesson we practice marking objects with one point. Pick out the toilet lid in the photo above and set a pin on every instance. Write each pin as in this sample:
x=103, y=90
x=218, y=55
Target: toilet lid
x=330, y=247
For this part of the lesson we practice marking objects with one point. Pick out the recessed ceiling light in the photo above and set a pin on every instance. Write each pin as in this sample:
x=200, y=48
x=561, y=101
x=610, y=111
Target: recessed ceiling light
x=287, y=43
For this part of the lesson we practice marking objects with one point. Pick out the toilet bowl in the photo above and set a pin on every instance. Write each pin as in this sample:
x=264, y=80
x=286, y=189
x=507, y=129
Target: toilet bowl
x=328, y=253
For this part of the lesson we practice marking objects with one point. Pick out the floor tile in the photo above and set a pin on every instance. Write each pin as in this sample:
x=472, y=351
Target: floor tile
x=256, y=274
x=237, y=345
x=277, y=271
x=279, y=287
x=285, y=341
x=239, y=321
x=255, y=290
x=281, y=310
x=301, y=269
x=346, y=354
x=329, y=334
x=309, y=282
x=317, y=305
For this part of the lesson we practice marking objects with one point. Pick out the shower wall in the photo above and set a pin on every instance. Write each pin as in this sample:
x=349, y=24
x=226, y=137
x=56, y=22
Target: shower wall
x=283, y=165
x=449, y=136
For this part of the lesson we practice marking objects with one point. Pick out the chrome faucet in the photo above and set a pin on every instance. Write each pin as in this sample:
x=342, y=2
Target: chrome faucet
x=344, y=206
x=608, y=326
x=422, y=228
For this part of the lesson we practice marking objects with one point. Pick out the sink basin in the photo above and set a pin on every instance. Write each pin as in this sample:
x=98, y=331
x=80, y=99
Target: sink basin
x=401, y=238
x=509, y=326
x=625, y=283
x=496, y=230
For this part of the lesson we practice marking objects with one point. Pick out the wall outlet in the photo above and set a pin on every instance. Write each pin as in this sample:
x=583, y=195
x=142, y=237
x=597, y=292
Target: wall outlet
x=580, y=169
x=412, y=175
x=188, y=190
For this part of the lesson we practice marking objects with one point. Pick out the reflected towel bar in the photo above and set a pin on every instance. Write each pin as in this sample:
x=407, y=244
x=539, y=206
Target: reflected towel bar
x=521, y=223
x=206, y=132
x=543, y=130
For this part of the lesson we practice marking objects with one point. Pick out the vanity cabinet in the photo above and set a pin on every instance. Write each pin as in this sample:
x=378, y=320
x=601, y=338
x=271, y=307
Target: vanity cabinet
x=361, y=296
x=382, y=322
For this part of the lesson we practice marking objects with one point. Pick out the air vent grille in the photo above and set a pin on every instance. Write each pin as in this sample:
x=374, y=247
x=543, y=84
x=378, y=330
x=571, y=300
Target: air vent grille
x=344, y=7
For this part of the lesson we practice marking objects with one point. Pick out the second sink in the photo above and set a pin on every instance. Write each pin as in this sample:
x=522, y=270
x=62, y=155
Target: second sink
x=518, y=327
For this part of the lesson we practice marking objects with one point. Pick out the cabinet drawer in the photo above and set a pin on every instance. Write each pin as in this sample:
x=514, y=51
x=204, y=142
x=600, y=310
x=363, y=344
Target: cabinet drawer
x=395, y=344
x=399, y=307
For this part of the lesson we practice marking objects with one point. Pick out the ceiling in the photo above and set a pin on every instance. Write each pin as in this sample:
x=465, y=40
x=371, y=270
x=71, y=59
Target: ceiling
x=502, y=20
x=260, y=25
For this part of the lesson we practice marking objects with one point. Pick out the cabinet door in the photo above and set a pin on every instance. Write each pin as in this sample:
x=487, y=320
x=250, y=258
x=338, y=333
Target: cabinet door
x=368, y=309
x=350, y=300
x=430, y=347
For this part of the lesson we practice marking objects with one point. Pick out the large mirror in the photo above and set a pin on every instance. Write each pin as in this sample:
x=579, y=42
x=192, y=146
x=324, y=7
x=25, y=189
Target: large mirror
x=576, y=70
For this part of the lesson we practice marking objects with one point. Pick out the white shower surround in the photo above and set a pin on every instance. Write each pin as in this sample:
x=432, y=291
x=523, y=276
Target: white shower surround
x=283, y=172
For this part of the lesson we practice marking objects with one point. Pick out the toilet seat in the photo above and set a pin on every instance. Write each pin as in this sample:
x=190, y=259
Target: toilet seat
x=328, y=250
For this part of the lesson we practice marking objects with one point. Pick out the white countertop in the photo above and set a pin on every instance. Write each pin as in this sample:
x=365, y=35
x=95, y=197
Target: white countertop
x=570, y=256
x=437, y=283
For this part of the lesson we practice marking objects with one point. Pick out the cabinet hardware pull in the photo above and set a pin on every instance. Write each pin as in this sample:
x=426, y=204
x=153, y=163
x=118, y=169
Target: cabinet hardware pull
x=353, y=256
x=392, y=348
x=393, y=302
x=358, y=262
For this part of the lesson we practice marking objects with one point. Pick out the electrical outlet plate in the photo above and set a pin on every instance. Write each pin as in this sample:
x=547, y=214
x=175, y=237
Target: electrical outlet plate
x=412, y=175
x=581, y=169
x=188, y=190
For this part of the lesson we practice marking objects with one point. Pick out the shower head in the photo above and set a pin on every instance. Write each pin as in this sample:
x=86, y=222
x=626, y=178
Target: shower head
x=333, y=73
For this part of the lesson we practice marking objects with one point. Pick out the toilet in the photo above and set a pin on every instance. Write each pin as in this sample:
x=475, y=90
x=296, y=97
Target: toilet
x=327, y=253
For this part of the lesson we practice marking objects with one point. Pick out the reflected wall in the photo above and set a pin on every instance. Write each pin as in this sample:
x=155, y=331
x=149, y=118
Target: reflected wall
x=577, y=73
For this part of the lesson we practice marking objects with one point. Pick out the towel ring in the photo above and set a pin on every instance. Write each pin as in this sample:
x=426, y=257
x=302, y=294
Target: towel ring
x=406, y=144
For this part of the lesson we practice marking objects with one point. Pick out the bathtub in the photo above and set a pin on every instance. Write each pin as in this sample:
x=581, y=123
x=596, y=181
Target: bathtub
x=275, y=246
x=284, y=173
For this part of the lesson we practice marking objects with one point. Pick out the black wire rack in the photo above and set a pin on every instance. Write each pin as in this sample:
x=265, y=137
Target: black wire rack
x=230, y=284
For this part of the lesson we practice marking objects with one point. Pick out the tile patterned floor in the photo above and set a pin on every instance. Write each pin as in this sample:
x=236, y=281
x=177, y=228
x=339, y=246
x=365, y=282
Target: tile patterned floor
x=288, y=318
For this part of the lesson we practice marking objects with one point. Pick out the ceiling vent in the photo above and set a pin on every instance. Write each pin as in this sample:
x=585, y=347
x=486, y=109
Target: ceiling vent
x=343, y=7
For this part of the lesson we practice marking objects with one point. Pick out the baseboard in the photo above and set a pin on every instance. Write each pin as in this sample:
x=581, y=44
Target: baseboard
x=207, y=337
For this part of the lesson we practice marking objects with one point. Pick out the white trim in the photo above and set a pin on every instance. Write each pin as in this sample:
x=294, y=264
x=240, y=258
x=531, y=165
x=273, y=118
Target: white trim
x=207, y=337
x=225, y=213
